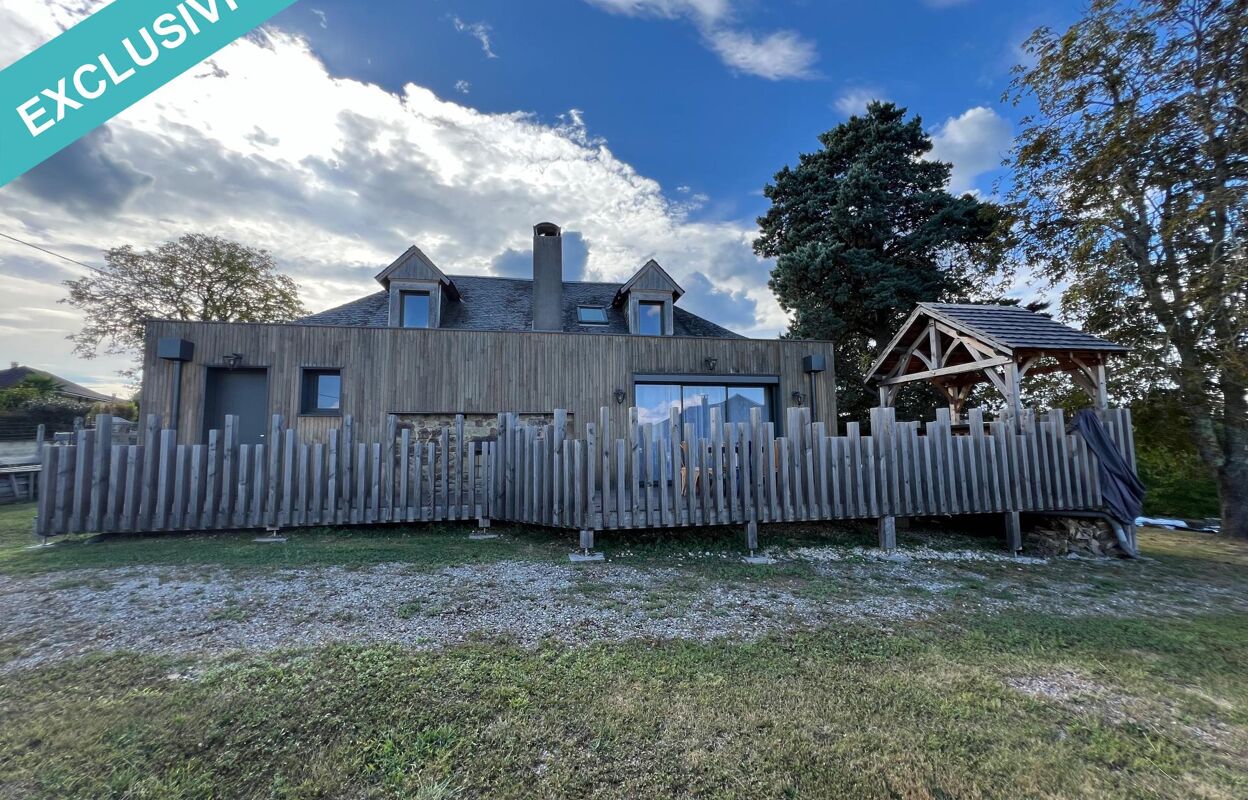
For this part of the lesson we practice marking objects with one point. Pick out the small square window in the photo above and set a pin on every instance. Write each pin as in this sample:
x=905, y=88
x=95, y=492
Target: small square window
x=591, y=315
x=322, y=392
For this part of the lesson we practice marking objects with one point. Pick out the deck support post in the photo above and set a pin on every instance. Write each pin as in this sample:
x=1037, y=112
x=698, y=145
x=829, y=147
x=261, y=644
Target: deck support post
x=483, y=530
x=1013, y=532
x=586, y=553
x=888, y=533
x=751, y=534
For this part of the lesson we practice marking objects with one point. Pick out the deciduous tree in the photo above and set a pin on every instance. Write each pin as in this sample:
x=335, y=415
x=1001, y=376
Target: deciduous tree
x=195, y=277
x=1131, y=181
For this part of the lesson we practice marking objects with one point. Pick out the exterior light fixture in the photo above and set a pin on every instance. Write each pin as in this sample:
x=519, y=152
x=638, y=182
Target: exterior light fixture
x=710, y=363
x=619, y=395
x=232, y=360
x=798, y=397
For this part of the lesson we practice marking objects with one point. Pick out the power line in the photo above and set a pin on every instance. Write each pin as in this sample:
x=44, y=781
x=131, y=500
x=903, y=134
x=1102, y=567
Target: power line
x=49, y=252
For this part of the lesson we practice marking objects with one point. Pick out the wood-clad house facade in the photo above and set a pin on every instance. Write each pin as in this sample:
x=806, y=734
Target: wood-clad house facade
x=430, y=346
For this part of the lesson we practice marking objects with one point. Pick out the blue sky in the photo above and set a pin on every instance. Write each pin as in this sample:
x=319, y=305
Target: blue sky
x=667, y=103
x=345, y=131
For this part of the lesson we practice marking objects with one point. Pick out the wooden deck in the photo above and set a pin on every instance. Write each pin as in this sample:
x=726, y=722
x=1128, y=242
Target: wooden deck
x=664, y=475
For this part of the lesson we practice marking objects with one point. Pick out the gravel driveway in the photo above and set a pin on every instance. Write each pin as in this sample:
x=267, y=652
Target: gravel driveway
x=213, y=611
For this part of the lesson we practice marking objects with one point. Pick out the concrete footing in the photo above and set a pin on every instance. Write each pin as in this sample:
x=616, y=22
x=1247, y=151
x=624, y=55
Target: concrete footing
x=271, y=538
x=481, y=537
x=586, y=553
x=888, y=533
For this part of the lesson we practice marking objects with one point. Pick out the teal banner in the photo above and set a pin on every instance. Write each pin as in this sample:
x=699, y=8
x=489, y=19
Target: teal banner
x=106, y=63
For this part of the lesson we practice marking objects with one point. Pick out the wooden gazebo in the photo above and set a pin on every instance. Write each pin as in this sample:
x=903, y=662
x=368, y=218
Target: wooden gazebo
x=958, y=346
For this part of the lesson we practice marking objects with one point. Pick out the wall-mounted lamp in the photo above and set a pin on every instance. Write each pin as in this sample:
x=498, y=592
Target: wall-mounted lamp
x=710, y=363
x=798, y=397
x=619, y=395
x=232, y=360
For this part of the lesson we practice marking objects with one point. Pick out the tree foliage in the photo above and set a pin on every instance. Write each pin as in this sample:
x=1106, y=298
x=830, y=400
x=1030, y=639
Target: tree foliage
x=1131, y=183
x=865, y=228
x=195, y=277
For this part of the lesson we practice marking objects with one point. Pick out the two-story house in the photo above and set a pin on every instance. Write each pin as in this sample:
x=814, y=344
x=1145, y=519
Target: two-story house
x=430, y=345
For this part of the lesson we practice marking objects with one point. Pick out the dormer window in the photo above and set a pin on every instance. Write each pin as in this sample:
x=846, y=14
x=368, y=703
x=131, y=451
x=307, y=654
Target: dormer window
x=648, y=298
x=414, y=309
x=650, y=317
x=591, y=315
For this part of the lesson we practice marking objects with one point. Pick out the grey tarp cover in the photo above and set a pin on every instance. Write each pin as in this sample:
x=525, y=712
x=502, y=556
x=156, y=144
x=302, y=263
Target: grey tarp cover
x=1120, y=486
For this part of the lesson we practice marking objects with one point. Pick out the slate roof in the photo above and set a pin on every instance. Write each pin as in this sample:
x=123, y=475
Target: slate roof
x=15, y=375
x=505, y=304
x=1016, y=328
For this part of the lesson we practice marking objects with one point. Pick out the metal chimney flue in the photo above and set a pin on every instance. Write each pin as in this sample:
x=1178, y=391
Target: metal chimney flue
x=547, y=277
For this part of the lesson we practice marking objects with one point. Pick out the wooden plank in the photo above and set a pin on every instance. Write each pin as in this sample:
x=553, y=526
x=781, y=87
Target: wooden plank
x=621, y=500
x=272, y=514
x=444, y=471
x=689, y=448
x=675, y=506
x=134, y=481
x=167, y=478
x=604, y=441
x=405, y=465
x=260, y=489
x=241, y=486
x=212, y=482
x=114, y=493
x=375, y=506
x=177, y=514
x=459, y=467
x=300, y=514
x=359, y=499
x=229, y=451
x=101, y=451
x=634, y=474
x=287, y=477
x=82, y=481
x=45, y=521
x=786, y=491
x=316, y=512
x=579, y=471
x=64, y=487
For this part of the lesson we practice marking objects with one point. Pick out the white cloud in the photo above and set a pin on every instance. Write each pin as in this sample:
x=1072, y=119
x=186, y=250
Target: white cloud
x=463, y=87
x=708, y=11
x=336, y=188
x=322, y=17
x=974, y=142
x=777, y=55
x=854, y=101
x=945, y=3
x=477, y=30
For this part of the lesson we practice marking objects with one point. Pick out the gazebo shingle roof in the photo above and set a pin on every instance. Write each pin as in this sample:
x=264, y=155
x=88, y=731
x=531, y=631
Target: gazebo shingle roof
x=1016, y=328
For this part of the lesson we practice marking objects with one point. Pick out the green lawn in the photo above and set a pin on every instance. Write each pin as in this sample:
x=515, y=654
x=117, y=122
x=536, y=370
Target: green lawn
x=970, y=704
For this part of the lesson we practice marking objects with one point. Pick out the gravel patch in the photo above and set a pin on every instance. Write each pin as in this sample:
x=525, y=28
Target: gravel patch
x=179, y=611
x=209, y=611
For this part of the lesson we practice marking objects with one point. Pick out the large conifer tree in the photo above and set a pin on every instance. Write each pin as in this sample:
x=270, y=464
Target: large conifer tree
x=863, y=229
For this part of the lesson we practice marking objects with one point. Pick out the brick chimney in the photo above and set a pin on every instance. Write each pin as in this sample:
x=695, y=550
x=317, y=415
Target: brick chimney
x=547, y=277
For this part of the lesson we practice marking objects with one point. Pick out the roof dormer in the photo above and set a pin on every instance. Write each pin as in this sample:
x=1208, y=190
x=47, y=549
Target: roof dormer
x=417, y=288
x=649, y=297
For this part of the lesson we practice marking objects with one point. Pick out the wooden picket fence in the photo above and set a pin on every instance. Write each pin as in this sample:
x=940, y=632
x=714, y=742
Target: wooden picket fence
x=667, y=474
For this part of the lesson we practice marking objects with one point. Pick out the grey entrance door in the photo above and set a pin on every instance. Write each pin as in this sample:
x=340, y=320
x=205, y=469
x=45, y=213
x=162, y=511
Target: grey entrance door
x=242, y=392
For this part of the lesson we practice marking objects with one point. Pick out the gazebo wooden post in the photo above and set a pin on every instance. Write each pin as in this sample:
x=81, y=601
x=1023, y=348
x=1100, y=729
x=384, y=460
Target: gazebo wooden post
x=1013, y=394
x=1102, y=387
